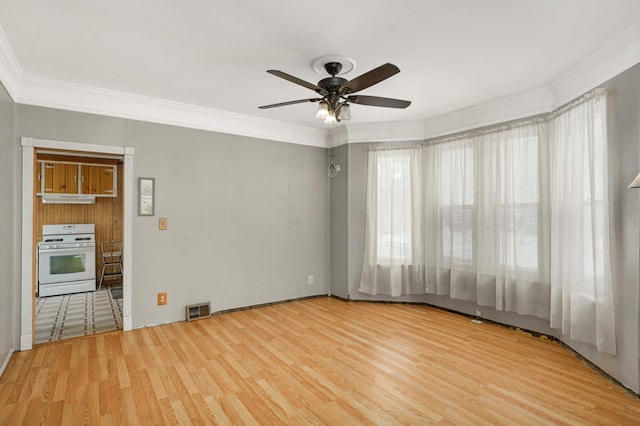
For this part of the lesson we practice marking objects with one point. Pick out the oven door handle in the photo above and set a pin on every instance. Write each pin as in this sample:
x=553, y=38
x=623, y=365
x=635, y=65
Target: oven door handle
x=75, y=248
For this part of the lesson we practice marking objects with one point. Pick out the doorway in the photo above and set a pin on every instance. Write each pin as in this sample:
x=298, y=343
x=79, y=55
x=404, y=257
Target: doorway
x=29, y=147
x=78, y=208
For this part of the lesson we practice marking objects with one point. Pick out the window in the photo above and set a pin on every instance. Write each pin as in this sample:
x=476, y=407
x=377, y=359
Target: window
x=457, y=202
x=393, y=204
x=520, y=204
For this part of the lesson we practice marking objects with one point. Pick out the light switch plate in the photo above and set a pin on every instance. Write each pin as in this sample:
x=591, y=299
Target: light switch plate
x=162, y=224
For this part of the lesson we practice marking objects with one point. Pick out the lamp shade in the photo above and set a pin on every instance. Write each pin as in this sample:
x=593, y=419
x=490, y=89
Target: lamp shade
x=330, y=119
x=636, y=182
x=323, y=110
x=345, y=112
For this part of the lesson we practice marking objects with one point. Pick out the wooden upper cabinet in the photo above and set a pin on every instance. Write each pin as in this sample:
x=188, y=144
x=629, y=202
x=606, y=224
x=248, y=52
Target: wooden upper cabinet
x=107, y=181
x=77, y=178
x=98, y=179
x=60, y=178
x=90, y=174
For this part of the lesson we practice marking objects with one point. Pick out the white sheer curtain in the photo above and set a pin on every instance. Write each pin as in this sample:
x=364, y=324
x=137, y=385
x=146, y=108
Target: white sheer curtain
x=581, y=288
x=485, y=227
x=393, y=258
x=461, y=217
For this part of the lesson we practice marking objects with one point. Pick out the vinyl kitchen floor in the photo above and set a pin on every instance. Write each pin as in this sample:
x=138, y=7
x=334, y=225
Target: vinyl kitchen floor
x=79, y=314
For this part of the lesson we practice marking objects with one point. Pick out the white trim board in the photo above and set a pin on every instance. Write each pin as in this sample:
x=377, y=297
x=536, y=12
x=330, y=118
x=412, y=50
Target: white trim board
x=619, y=53
x=10, y=69
x=6, y=362
x=29, y=145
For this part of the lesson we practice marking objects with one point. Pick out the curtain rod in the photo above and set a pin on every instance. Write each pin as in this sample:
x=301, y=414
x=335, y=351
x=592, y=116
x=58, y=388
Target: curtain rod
x=392, y=148
x=596, y=93
x=480, y=132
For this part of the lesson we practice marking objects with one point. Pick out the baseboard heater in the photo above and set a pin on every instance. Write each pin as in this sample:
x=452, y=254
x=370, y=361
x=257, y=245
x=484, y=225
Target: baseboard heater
x=198, y=311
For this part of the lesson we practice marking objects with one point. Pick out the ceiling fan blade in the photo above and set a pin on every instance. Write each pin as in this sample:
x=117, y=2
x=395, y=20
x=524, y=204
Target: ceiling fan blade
x=298, y=81
x=299, y=101
x=370, y=78
x=378, y=101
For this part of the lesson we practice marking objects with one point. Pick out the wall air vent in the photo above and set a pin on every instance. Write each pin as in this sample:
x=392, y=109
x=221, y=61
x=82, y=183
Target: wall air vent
x=198, y=311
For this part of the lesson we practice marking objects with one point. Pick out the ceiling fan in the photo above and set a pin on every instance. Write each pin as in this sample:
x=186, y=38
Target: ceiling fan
x=337, y=93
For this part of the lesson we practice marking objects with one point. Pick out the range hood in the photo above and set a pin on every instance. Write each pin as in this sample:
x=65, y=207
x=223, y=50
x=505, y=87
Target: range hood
x=68, y=199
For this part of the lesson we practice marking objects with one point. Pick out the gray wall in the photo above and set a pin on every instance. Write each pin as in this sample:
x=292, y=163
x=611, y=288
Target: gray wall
x=9, y=223
x=624, y=164
x=248, y=219
x=339, y=198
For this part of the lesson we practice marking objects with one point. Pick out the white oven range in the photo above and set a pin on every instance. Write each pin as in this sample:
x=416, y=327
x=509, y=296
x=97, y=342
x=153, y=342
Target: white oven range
x=66, y=259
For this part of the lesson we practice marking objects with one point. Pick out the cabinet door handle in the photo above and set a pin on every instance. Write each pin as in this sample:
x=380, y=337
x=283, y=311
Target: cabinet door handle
x=39, y=178
x=75, y=178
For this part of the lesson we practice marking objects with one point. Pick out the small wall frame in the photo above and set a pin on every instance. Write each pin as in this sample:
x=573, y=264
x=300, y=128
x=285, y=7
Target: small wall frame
x=146, y=196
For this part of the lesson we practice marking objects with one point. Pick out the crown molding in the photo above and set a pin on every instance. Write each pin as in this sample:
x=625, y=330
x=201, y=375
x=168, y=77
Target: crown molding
x=619, y=53
x=502, y=110
x=10, y=69
x=402, y=131
x=81, y=98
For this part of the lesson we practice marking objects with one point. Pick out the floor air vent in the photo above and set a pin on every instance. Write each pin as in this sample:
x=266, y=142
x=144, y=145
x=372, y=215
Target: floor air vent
x=198, y=311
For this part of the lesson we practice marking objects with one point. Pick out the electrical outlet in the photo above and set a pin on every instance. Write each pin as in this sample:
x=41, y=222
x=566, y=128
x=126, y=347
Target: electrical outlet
x=478, y=314
x=310, y=279
x=162, y=299
x=162, y=224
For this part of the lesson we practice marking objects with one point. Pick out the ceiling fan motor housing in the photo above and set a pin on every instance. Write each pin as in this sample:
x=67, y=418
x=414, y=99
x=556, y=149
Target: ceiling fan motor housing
x=333, y=68
x=332, y=84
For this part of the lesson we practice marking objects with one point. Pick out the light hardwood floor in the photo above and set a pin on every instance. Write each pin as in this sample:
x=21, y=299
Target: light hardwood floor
x=314, y=361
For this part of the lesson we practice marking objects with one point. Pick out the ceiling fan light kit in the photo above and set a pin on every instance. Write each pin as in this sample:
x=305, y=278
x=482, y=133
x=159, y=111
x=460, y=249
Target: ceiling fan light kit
x=337, y=92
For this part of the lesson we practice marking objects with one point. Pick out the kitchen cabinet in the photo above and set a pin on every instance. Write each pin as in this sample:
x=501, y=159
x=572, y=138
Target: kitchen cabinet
x=59, y=177
x=98, y=179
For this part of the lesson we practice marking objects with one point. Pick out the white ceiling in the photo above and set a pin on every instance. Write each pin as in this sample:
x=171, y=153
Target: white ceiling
x=452, y=54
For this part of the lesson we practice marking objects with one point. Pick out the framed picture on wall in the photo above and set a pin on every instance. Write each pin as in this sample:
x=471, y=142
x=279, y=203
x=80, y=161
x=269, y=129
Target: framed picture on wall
x=146, y=193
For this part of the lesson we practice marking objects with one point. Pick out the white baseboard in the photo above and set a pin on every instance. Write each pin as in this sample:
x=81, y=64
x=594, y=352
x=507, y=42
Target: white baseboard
x=6, y=361
x=26, y=342
x=127, y=323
